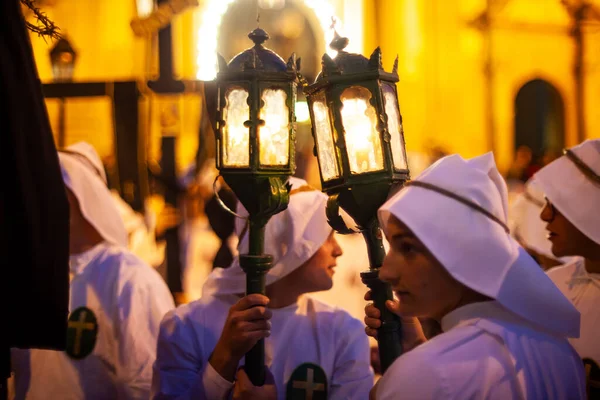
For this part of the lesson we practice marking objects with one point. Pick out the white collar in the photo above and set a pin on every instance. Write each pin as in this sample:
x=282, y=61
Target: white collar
x=581, y=273
x=579, y=281
x=78, y=262
x=470, y=313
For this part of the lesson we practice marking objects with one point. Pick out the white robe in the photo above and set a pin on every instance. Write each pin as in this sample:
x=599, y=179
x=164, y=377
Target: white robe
x=128, y=299
x=486, y=352
x=306, y=332
x=583, y=289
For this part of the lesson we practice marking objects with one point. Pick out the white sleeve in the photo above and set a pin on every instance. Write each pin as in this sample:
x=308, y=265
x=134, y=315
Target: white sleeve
x=143, y=299
x=181, y=371
x=352, y=375
x=411, y=378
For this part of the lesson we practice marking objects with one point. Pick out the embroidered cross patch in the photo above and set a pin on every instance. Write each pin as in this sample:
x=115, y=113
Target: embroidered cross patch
x=81, y=333
x=308, y=382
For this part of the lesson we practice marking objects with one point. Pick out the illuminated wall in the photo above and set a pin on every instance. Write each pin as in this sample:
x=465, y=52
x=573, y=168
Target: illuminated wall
x=443, y=89
x=107, y=50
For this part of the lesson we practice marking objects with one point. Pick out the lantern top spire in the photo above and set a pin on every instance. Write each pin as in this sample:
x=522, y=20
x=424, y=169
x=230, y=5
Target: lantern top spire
x=258, y=36
x=258, y=57
x=338, y=43
x=345, y=63
x=62, y=46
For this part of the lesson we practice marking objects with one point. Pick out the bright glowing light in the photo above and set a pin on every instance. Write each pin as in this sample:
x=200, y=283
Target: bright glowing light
x=271, y=4
x=210, y=21
x=274, y=135
x=236, y=137
x=208, y=36
x=302, y=113
x=144, y=7
x=324, y=11
x=362, y=138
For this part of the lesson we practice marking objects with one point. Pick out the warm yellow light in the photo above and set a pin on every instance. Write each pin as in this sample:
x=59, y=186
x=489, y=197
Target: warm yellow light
x=236, y=136
x=271, y=4
x=412, y=14
x=325, y=147
x=144, y=7
x=394, y=128
x=210, y=21
x=302, y=113
x=274, y=135
x=66, y=58
x=360, y=125
x=208, y=37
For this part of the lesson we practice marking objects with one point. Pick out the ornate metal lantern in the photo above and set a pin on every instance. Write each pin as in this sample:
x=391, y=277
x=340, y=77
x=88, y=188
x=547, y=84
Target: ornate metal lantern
x=62, y=58
x=255, y=137
x=359, y=142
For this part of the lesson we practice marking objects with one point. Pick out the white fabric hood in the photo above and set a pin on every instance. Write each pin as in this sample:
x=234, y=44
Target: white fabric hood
x=573, y=193
x=292, y=237
x=82, y=177
x=476, y=248
x=525, y=223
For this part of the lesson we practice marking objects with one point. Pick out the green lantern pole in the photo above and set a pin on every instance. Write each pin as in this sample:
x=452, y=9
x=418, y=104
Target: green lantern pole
x=254, y=160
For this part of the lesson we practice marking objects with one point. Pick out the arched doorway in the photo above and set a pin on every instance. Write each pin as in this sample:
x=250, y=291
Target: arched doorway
x=539, y=120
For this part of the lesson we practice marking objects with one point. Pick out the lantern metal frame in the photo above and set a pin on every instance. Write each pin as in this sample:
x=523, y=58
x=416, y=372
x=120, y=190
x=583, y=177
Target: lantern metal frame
x=361, y=194
x=262, y=189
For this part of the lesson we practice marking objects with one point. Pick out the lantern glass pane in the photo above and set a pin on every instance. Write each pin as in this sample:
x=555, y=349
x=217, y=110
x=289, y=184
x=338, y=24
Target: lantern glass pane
x=326, y=151
x=236, y=136
x=63, y=71
x=363, y=142
x=394, y=127
x=274, y=135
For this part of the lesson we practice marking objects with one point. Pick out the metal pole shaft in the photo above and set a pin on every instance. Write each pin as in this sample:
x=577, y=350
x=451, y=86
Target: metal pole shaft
x=389, y=335
x=256, y=265
x=173, y=249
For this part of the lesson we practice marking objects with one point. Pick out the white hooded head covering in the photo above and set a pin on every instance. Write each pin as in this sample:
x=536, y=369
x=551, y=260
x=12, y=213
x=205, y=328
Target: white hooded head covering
x=525, y=223
x=474, y=244
x=575, y=194
x=292, y=237
x=83, y=174
x=86, y=154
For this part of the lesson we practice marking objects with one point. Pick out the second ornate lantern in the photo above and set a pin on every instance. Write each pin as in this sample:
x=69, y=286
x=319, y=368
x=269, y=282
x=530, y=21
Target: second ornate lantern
x=359, y=142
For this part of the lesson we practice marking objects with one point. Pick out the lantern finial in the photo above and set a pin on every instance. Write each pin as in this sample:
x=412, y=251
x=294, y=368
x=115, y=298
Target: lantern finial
x=338, y=43
x=258, y=36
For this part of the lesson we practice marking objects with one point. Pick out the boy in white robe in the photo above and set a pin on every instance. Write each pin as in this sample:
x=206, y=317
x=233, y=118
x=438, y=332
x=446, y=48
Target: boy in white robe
x=572, y=216
x=116, y=304
x=311, y=348
x=451, y=258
